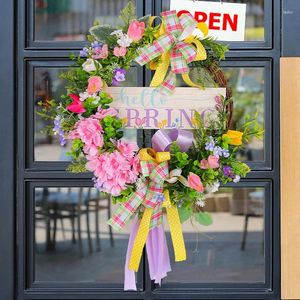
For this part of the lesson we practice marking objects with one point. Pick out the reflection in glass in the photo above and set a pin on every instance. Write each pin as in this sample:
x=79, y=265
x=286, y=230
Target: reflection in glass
x=48, y=85
x=231, y=250
x=254, y=18
x=70, y=20
x=72, y=240
x=249, y=99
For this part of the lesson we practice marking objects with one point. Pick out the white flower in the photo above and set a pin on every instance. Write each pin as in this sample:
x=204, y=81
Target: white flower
x=200, y=203
x=237, y=178
x=118, y=33
x=124, y=41
x=212, y=188
x=83, y=96
x=173, y=176
x=89, y=65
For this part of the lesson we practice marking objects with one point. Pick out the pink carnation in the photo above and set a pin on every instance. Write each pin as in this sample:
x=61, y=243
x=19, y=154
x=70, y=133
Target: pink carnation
x=102, y=113
x=112, y=171
x=90, y=132
x=127, y=148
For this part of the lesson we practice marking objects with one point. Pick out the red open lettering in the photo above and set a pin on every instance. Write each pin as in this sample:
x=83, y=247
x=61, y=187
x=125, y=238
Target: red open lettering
x=233, y=23
x=200, y=16
x=183, y=12
x=214, y=19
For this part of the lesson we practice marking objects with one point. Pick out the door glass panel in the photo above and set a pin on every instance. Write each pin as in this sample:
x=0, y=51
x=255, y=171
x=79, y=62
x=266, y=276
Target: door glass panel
x=73, y=243
x=226, y=251
x=48, y=85
x=254, y=18
x=70, y=20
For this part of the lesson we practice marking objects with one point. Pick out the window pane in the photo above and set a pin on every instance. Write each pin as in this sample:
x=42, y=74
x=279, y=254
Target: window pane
x=218, y=253
x=48, y=85
x=248, y=87
x=66, y=248
x=254, y=18
x=70, y=20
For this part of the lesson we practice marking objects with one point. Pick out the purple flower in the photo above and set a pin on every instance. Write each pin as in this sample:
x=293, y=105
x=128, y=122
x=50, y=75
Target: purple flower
x=227, y=171
x=218, y=151
x=209, y=146
x=84, y=52
x=225, y=153
x=58, y=130
x=119, y=76
x=96, y=44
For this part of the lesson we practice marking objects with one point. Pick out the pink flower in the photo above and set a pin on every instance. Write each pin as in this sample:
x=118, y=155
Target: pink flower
x=212, y=162
x=89, y=131
x=127, y=148
x=76, y=106
x=95, y=84
x=195, y=182
x=136, y=30
x=102, y=113
x=120, y=51
x=101, y=53
x=113, y=171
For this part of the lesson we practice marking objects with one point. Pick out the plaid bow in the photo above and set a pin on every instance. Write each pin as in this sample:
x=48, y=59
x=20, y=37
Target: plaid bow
x=150, y=195
x=181, y=51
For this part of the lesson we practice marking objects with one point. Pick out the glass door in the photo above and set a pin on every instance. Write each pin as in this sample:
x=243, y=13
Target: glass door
x=65, y=249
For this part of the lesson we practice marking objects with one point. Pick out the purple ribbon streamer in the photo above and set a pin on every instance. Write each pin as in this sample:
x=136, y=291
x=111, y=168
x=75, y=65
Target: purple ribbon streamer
x=129, y=280
x=157, y=253
x=162, y=139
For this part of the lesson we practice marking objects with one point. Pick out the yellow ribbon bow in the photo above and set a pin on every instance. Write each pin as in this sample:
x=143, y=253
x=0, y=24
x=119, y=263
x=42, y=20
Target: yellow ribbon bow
x=175, y=47
x=149, y=155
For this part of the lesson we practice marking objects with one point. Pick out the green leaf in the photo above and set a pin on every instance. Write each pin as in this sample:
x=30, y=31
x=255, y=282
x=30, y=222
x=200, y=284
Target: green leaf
x=127, y=14
x=184, y=213
x=101, y=32
x=204, y=218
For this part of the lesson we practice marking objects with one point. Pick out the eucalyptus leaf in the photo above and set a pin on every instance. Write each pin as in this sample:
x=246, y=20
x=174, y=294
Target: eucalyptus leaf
x=101, y=32
x=204, y=218
x=144, y=19
x=184, y=213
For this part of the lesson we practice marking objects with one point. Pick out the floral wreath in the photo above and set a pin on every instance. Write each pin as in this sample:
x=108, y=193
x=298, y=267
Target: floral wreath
x=182, y=167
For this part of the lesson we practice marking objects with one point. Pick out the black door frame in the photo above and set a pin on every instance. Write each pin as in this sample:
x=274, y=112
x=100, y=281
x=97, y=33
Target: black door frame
x=15, y=51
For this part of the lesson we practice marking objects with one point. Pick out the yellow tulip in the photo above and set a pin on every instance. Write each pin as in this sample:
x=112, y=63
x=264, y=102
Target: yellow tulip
x=234, y=136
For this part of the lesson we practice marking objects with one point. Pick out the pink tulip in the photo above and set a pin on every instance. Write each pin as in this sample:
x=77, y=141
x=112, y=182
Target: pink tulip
x=120, y=51
x=195, y=182
x=136, y=30
x=76, y=106
x=95, y=84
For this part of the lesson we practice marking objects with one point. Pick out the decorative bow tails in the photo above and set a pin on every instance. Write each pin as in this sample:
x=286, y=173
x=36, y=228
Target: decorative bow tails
x=176, y=48
x=152, y=196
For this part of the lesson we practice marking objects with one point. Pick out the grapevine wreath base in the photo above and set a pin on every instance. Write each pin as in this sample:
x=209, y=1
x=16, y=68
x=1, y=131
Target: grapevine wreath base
x=173, y=177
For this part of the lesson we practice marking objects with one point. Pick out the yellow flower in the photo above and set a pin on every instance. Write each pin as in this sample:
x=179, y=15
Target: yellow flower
x=234, y=137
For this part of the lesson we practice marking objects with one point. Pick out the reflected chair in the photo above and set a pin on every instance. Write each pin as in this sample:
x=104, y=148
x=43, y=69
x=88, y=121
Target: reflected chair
x=253, y=207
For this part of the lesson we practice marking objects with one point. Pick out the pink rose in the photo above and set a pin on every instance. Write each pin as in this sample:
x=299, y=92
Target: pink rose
x=127, y=148
x=120, y=51
x=136, y=30
x=212, y=162
x=95, y=84
x=195, y=182
x=76, y=106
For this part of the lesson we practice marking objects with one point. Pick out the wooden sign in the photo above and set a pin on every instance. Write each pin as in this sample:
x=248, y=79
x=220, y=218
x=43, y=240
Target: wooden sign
x=225, y=21
x=145, y=107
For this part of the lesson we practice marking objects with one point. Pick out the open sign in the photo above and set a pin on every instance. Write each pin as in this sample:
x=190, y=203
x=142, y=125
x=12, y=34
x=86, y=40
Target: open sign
x=226, y=21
